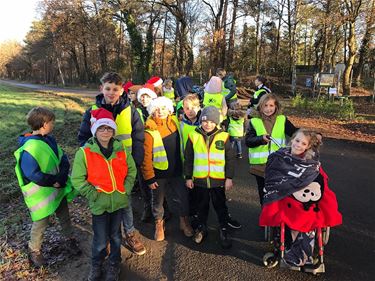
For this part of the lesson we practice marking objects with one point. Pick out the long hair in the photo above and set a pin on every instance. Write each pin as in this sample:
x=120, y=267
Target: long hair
x=265, y=98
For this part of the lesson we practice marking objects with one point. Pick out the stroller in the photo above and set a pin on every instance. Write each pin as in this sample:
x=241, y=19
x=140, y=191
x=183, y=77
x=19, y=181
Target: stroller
x=297, y=197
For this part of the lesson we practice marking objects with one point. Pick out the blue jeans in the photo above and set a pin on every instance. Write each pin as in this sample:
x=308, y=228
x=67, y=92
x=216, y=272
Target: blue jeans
x=127, y=218
x=106, y=227
x=236, y=142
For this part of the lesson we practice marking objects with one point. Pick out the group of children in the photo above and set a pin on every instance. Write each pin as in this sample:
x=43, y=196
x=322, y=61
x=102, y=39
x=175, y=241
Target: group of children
x=186, y=159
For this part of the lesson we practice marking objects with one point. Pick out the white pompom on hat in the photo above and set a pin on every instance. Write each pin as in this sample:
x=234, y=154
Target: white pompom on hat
x=146, y=91
x=101, y=117
x=158, y=103
x=155, y=80
x=214, y=85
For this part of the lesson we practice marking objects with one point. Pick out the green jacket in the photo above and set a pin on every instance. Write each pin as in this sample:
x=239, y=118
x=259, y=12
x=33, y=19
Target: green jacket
x=100, y=202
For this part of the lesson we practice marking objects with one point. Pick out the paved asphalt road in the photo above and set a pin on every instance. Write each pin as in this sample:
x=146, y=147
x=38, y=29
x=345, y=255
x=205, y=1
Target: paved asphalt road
x=349, y=254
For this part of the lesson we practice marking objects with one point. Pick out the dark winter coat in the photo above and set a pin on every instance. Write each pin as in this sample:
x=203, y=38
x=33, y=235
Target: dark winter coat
x=137, y=134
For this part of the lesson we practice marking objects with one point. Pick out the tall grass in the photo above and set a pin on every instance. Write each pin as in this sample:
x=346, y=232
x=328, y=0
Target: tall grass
x=323, y=106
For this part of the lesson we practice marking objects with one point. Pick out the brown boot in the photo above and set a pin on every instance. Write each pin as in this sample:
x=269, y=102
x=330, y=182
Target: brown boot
x=36, y=258
x=134, y=244
x=186, y=227
x=159, y=230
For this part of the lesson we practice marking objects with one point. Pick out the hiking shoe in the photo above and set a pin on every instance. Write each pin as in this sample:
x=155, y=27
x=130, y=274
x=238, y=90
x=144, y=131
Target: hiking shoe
x=36, y=258
x=113, y=273
x=186, y=227
x=134, y=244
x=232, y=223
x=159, y=230
x=225, y=241
x=95, y=273
x=73, y=247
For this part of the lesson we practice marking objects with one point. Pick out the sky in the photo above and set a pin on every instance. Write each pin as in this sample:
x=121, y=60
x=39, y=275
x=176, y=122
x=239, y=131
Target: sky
x=16, y=17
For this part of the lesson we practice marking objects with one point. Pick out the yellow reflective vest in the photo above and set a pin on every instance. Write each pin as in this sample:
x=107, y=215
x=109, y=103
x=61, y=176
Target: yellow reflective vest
x=42, y=201
x=169, y=93
x=124, y=127
x=259, y=154
x=225, y=91
x=235, y=127
x=159, y=154
x=209, y=160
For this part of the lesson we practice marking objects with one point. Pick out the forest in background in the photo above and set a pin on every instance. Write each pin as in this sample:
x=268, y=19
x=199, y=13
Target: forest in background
x=76, y=41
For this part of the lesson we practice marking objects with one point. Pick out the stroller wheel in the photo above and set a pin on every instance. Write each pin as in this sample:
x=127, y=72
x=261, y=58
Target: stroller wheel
x=270, y=260
x=325, y=235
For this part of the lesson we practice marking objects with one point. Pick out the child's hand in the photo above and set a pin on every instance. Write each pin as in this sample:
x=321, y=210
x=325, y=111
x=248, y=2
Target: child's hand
x=228, y=184
x=57, y=185
x=189, y=184
x=266, y=138
x=154, y=185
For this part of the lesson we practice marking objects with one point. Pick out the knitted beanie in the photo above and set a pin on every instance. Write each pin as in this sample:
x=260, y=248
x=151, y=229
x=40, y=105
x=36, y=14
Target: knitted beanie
x=214, y=85
x=210, y=113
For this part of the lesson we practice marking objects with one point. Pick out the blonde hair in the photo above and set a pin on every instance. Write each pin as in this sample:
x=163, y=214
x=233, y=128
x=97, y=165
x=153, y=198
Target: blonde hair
x=168, y=83
x=314, y=142
x=267, y=97
x=192, y=99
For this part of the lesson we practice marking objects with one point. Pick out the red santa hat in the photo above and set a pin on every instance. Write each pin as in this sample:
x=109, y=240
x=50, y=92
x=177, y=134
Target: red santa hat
x=101, y=117
x=127, y=85
x=155, y=80
x=146, y=91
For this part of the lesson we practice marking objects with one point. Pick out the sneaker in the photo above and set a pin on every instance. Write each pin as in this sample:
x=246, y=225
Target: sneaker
x=232, y=223
x=239, y=155
x=36, y=258
x=225, y=241
x=198, y=236
x=73, y=247
x=113, y=273
x=95, y=273
x=134, y=244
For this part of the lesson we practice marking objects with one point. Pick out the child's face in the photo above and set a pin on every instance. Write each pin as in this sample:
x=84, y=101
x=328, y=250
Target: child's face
x=161, y=112
x=48, y=127
x=132, y=95
x=111, y=92
x=257, y=82
x=190, y=110
x=104, y=134
x=208, y=126
x=300, y=144
x=269, y=107
x=145, y=100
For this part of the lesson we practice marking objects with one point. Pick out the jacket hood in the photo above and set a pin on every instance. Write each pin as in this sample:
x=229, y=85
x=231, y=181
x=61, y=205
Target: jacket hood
x=28, y=136
x=183, y=86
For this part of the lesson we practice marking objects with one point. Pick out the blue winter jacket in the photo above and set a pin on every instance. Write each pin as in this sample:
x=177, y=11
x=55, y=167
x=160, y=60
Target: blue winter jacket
x=31, y=170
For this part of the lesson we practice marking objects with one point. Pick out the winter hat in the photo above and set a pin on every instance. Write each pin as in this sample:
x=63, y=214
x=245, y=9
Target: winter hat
x=210, y=113
x=159, y=102
x=127, y=85
x=100, y=117
x=146, y=91
x=155, y=80
x=214, y=85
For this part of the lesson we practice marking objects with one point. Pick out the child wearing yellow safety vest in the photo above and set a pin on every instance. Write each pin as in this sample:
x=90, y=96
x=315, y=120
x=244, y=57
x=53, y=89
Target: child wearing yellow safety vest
x=42, y=171
x=104, y=172
x=162, y=165
x=209, y=168
x=236, y=127
x=266, y=134
x=168, y=90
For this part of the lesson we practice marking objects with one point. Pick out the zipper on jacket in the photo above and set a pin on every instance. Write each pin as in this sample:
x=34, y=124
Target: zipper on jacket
x=208, y=154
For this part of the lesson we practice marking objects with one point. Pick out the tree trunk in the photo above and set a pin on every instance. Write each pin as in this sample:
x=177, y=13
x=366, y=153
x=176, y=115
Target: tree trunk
x=232, y=37
x=350, y=61
x=163, y=45
x=257, y=22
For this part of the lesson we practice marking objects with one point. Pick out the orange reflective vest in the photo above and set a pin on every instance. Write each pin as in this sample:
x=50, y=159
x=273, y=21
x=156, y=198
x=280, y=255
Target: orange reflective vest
x=106, y=175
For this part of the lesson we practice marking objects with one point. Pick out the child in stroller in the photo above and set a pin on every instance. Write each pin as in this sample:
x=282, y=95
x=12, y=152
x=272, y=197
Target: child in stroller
x=297, y=198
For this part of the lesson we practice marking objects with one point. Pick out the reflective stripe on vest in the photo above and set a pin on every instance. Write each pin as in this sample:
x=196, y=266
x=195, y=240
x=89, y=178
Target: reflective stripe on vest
x=112, y=173
x=209, y=162
x=42, y=201
x=124, y=127
x=259, y=154
x=225, y=91
x=235, y=127
x=159, y=154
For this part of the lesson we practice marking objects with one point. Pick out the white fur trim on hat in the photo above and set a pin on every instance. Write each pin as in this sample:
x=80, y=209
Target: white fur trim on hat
x=102, y=122
x=146, y=91
x=158, y=83
x=159, y=102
